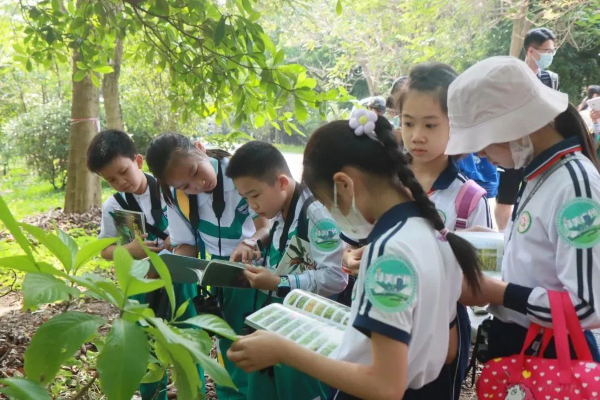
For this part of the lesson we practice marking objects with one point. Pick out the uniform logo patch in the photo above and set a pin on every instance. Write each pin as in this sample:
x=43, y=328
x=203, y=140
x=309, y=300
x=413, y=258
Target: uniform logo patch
x=442, y=215
x=524, y=222
x=243, y=207
x=578, y=223
x=391, y=284
x=325, y=235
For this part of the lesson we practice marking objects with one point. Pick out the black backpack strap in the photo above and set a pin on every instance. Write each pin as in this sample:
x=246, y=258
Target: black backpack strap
x=303, y=219
x=218, y=200
x=156, y=205
x=117, y=196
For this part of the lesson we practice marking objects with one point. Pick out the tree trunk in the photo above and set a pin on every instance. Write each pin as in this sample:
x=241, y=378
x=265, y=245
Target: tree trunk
x=110, y=91
x=520, y=27
x=83, y=187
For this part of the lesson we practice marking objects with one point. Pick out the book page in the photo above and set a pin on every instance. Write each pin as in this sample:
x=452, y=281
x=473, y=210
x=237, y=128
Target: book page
x=296, y=259
x=225, y=274
x=318, y=307
x=490, y=249
x=129, y=224
x=308, y=332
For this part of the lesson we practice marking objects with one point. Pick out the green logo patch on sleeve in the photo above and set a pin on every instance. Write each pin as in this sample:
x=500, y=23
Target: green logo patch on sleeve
x=391, y=283
x=578, y=224
x=325, y=235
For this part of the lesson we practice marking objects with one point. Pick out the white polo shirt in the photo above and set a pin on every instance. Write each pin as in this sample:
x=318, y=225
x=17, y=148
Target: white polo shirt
x=108, y=228
x=236, y=223
x=407, y=288
x=327, y=279
x=443, y=194
x=555, y=243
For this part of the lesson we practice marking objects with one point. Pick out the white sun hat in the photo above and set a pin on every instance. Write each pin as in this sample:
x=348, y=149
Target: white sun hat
x=498, y=100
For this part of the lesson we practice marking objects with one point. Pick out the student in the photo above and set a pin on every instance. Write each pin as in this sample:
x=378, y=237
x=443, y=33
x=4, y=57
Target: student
x=501, y=110
x=262, y=176
x=112, y=155
x=208, y=215
x=395, y=346
x=423, y=109
x=591, y=117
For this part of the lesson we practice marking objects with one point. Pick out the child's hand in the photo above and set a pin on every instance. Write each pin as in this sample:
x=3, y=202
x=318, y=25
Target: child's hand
x=245, y=254
x=351, y=260
x=136, y=250
x=595, y=116
x=167, y=244
x=261, y=278
x=257, y=351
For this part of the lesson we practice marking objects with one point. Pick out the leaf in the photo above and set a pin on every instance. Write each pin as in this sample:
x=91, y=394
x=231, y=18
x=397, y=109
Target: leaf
x=23, y=389
x=213, y=324
x=13, y=227
x=105, y=69
x=182, y=309
x=123, y=263
x=300, y=110
x=161, y=7
x=43, y=289
x=338, y=7
x=24, y=264
x=90, y=251
x=95, y=80
x=79, y=75
x=164, y=274
x=69, y=242
x=113, y=291
x=139, y=286
x=279, y=56
x=155, y=373
x=56, y=341
x=220, y=31
x=123, y=361
x=52, y=243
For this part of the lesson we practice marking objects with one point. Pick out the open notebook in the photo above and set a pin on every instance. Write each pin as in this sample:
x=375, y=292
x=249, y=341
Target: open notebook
x=490, y=249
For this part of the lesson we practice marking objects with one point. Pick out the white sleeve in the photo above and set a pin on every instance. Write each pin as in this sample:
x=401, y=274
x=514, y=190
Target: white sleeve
x=328, y=278
x=180, y=229
x=571, y=230
x=481, y=216
x=108, y=229
x=596, y=128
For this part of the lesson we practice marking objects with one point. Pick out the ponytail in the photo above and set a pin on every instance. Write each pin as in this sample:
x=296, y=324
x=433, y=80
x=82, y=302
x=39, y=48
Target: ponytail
x=570, y=124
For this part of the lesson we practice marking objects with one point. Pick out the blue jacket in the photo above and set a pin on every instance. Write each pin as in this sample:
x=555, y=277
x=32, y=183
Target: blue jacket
x=481, y=171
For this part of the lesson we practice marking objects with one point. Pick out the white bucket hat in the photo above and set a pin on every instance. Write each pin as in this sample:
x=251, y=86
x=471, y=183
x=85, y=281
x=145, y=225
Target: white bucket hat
x=498, y=100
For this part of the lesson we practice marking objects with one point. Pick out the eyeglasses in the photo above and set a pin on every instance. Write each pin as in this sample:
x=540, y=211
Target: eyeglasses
x=546, y=51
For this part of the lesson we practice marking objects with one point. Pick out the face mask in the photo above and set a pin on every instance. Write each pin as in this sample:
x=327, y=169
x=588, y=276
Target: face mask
x=353, y=225
x=522, y=153
x=544, y=61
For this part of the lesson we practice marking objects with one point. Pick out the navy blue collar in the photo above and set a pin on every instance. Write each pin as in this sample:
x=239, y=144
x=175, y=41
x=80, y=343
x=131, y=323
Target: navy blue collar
x=551, y=155
x=447, y=176
x=396, y=214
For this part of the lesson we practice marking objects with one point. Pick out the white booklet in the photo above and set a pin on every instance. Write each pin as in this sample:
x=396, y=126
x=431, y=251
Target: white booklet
x=312, y=321
x=490, y=249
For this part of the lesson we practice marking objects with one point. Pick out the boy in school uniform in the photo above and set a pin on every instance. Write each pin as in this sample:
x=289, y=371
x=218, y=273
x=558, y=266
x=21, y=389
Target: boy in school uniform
x=113, y=156
x=262, y=176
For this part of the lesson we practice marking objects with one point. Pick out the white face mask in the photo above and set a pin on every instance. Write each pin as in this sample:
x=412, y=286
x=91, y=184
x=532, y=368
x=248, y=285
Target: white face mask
x=353, y=225
x=522, y=153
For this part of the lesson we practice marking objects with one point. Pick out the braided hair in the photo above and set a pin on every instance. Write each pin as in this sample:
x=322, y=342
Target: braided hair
x=334, y=146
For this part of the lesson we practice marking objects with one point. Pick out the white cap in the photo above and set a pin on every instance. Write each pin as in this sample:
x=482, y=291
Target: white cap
x=498, y=100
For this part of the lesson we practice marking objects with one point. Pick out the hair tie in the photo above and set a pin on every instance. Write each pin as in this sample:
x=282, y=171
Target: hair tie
x=444, y=234
x=363, y=122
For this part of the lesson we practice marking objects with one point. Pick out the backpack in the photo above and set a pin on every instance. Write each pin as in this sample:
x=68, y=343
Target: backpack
x=130, y=204
x=466, y=202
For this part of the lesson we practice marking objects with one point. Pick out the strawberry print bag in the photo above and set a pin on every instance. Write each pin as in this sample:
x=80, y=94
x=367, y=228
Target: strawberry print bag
x=522, y=377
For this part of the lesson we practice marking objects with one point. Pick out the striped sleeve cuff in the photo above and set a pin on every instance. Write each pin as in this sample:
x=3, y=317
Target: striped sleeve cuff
x=367, y=325
x=516, y=297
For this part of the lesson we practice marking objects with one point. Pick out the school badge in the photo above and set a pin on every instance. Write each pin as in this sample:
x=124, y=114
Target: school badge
x=391, y=284
x=325, y=235
x=578, y=223
x=442, y=215
x=524, y=222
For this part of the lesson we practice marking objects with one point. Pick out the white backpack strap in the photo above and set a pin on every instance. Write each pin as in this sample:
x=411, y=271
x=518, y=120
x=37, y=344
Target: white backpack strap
x=466, y=202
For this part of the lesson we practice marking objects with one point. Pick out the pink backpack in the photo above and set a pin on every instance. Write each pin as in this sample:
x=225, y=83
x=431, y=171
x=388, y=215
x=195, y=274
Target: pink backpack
x=466, y=202
x=523, y=377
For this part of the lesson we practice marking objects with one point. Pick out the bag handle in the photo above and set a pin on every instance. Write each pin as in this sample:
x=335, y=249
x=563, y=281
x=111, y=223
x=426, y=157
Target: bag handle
x=559, y=324
x=574, y=326
x=516, y=372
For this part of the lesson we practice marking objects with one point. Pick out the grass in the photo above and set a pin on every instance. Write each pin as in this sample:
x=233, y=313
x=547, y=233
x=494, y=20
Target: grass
x=290, y=148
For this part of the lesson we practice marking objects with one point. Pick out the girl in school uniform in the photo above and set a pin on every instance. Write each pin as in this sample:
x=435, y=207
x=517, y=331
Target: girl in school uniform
x=226, y=227
x=501, y=110
x=396, y=343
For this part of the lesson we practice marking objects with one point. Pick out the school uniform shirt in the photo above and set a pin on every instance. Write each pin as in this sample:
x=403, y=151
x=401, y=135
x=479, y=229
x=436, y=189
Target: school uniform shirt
x=443, y=194
x=553, y=243
x=237, y=221
x=108, y=229
x=328, y=278
x=407, y=288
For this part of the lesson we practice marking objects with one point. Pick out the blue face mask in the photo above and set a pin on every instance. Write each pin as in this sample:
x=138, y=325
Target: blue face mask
x=545, y=60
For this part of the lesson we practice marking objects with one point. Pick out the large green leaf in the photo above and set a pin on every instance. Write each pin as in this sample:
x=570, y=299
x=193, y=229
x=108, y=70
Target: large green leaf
x=164, y=274
x=23, y=389
x=56, y=341
x=43, y=289
x=91, y=250
x=123, y=263
x=155, y=373
x=123, y=361
x=139, y=286
x=128, y=281
x=213, y=324
x=25, y=264
x=13, y=226
x=69, y=242
x=52, y=243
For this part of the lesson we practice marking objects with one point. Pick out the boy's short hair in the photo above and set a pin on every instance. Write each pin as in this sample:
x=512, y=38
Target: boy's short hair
x=537, y=36
x=258, y=160
x=108, y=145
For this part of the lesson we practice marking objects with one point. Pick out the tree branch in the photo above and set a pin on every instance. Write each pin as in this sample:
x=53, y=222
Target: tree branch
x=86, y=388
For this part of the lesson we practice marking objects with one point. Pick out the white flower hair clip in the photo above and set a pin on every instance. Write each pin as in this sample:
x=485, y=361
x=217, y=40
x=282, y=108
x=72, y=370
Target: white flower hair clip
x=363, y=122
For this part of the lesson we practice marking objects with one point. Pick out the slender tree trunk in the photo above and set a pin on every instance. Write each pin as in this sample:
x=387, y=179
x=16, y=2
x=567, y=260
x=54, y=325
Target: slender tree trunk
x=520, y=27
x=110, y=91
x=83, y=187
